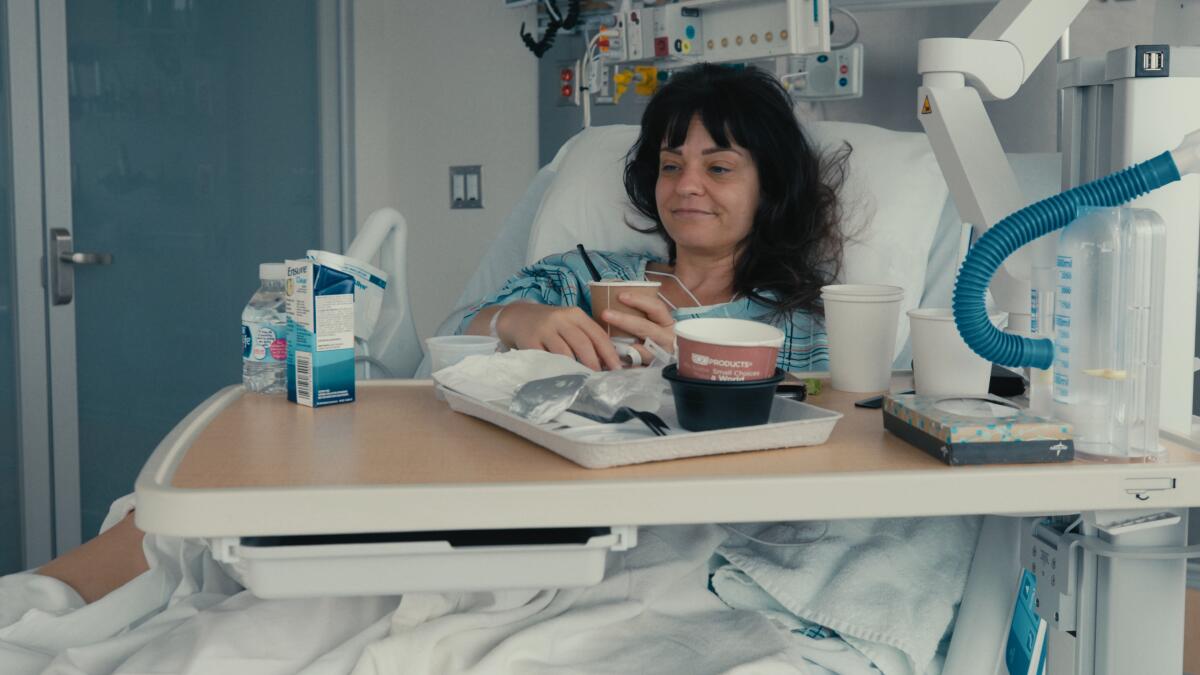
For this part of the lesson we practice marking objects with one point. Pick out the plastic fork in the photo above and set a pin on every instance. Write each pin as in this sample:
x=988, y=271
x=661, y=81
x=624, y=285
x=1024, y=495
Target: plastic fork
x=623, y=414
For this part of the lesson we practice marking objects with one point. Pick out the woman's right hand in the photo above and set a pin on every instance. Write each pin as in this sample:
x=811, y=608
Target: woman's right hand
x=562, y=330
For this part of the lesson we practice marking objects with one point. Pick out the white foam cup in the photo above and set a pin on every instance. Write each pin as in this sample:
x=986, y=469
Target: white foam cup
x=861, y=322
x=447, y=350
x=943, y=364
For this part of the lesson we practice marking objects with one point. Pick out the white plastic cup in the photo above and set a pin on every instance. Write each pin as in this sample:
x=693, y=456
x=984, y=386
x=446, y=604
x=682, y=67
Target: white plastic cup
x=861, y=321
x=447, y=350
x=943, y=364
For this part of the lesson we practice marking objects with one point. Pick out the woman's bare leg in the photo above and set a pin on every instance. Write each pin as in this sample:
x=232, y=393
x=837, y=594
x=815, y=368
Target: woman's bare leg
x=102, y=564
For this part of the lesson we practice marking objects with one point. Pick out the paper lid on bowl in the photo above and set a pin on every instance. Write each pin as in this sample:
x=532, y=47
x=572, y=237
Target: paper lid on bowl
x=732, y=332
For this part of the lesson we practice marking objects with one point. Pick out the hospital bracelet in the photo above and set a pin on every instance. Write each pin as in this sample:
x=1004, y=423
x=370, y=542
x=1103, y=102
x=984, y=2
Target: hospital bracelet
x=492, y=332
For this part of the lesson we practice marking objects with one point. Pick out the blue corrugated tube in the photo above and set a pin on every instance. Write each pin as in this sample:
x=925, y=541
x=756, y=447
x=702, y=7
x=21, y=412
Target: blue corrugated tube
x=1022, y=227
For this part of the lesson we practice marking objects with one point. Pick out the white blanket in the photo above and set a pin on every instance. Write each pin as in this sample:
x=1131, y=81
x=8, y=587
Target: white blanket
x=651, y=614
x=890, y=587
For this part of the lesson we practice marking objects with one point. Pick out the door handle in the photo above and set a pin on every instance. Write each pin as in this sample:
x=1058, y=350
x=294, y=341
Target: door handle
x=86, y=258
x=62, y=270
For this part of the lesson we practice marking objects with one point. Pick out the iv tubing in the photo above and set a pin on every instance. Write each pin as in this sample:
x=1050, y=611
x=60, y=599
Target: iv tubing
x=1024, y=226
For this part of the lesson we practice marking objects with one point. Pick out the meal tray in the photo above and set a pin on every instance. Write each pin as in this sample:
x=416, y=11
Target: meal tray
x=600, y=446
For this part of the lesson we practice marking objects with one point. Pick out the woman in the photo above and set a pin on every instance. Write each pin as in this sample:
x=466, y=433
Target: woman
x=748, y=209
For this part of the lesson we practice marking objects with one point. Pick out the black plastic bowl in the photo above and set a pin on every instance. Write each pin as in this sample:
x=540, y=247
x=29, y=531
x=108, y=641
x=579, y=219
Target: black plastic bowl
x=704, y=405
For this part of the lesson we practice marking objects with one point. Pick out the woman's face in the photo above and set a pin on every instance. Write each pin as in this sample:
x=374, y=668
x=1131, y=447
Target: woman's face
x=706, y=195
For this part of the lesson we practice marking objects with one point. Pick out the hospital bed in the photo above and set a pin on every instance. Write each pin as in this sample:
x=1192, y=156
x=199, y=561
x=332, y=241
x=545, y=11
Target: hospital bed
x=343, y=473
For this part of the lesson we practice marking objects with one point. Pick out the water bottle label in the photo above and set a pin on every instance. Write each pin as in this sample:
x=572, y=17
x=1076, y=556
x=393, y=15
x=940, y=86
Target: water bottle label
x=264, y=343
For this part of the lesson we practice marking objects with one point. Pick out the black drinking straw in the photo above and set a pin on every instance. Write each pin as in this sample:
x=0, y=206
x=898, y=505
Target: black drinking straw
x=588, y=261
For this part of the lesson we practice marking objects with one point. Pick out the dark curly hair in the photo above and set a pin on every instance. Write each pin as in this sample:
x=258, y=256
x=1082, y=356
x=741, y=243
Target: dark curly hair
x=795, y=245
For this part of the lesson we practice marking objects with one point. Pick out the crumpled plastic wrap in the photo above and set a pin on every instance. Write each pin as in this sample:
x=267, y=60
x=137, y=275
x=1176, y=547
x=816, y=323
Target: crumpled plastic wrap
x=540, y=401
x=495, y=378
x=539, y=385
x=638, y=388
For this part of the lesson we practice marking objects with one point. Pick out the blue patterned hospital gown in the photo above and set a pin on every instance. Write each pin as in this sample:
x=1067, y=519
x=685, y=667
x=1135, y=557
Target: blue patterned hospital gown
x=561, y=279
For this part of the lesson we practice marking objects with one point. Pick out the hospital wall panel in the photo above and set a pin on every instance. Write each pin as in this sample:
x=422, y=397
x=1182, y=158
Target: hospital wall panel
x=1025, y=123
x=889, y=84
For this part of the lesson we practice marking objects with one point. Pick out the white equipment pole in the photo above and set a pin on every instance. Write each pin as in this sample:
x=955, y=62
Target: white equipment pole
x=1150, y=114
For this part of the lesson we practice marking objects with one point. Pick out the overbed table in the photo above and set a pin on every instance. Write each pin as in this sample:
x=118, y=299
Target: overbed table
x=399, y=460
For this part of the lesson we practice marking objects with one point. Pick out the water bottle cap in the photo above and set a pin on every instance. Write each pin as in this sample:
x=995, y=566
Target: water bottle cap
x=272, y=271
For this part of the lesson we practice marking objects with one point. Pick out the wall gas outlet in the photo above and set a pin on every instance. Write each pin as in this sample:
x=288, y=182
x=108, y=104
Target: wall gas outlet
x=645, y=80
x=568, y=84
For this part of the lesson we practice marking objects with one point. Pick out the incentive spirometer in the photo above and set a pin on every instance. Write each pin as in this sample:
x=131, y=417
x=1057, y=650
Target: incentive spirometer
x=1107, y=299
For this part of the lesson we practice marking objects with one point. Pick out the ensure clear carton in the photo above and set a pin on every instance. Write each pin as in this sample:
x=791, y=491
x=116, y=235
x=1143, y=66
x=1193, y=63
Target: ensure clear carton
x=320, y=314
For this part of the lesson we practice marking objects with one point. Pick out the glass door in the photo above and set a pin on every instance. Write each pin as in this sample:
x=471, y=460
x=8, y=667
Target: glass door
x=194, y=146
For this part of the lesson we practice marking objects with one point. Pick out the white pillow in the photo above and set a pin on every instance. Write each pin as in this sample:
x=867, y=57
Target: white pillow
x=586, y=203
x=892, y=200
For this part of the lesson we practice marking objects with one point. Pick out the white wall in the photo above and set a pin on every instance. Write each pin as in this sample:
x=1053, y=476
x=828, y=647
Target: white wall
x=441, y=83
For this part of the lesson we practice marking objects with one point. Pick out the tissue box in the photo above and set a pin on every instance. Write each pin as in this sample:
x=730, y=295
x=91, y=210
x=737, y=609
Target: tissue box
x=983, y=430
x=320, y=356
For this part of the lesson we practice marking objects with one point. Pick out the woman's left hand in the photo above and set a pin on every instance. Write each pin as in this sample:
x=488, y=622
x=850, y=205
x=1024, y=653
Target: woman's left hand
x=659, y=325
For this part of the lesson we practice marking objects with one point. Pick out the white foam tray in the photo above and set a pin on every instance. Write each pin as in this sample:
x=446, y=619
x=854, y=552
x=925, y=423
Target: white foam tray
x=599, y=446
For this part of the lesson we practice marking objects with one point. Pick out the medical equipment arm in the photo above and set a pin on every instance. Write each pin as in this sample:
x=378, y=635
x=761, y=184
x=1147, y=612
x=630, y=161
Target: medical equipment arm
x=957, y=73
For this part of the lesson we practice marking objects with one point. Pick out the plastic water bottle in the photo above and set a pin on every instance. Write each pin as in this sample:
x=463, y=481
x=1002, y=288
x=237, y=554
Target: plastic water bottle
x=264, y=333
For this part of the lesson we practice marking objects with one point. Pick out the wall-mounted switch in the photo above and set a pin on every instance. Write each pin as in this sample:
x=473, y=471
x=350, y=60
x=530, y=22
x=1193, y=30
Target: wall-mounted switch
x=472, y=188
x=466, y=187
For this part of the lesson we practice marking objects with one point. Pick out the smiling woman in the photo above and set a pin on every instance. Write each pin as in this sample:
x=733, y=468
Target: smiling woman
x=748, y=209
